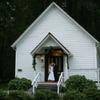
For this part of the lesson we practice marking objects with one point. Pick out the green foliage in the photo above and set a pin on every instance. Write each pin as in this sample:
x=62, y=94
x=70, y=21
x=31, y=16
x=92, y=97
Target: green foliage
x=15, y=95
x=74, y=95
x=97, y=95
x=19, y=84
x=45, y=95
x=79, y=83
x=79, y=88
x=3, y=95
x=19, y=95
x=92, y=94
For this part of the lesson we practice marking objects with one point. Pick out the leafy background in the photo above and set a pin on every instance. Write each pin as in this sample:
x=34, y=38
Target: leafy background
x=17, y=15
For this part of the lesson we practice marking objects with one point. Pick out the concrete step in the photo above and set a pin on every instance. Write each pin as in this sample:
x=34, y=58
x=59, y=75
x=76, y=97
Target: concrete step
x=47, y=86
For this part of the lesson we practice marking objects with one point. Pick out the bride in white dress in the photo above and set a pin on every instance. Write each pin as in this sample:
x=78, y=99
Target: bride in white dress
x=51, y=72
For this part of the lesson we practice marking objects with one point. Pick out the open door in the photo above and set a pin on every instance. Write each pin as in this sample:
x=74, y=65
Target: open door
x=58, y=60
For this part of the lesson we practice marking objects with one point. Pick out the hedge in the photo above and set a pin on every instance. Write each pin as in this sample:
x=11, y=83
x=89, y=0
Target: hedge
x=19, y=84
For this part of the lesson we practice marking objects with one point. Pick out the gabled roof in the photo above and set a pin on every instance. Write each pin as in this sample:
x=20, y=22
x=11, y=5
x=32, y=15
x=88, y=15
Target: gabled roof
x=49, y=35
x=53, y=4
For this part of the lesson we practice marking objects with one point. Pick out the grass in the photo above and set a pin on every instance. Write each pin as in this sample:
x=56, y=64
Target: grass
x=3, y=86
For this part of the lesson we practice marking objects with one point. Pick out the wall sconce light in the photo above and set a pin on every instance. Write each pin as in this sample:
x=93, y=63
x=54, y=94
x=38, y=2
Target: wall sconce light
x=42, y=58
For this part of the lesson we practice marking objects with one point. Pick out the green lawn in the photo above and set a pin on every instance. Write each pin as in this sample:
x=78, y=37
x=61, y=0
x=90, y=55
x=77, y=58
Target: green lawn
x=3, y=86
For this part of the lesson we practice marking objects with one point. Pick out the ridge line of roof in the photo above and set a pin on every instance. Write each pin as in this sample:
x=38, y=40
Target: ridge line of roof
x=41, y=15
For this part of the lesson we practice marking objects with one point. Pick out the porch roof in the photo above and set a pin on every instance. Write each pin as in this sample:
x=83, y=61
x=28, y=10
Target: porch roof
x=49, y=35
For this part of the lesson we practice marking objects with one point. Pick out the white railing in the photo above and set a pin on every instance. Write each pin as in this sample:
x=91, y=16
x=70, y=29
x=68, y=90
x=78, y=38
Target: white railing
x=60, y=82
x=35, y=82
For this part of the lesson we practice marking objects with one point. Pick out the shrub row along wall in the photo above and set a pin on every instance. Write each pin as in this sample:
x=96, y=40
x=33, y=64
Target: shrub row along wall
x=76, y=88
x=79, y=88
x=22, y=95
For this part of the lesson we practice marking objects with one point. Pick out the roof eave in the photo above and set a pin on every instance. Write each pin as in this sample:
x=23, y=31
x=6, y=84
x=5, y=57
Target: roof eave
x=37, y=19
x=52, y=4
x=76, y=23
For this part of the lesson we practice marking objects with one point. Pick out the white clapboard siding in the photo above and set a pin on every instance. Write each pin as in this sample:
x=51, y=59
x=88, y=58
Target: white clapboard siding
x=68, y=33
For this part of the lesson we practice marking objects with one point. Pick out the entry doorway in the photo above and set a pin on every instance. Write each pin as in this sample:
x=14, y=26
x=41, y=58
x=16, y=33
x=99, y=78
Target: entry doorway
x=57, y=58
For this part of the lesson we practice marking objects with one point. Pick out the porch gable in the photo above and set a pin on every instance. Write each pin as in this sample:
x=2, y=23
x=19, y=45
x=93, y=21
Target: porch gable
x=50, y=35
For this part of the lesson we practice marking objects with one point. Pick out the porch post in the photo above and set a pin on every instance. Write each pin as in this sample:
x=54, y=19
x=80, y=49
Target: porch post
x=66, y=70
x=67, y=64
x=98, y=73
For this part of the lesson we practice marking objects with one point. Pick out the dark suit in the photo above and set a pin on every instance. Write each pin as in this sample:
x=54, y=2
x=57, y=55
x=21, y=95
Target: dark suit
x=55, y=72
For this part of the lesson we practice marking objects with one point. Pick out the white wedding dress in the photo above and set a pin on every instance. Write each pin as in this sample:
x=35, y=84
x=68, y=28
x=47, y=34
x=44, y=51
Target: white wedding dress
x=51, y=73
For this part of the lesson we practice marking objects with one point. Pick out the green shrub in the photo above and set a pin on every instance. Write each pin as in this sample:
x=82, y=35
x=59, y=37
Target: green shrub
x=98, y=95
x=79, y=83
x=19, y=84
x=74, y=95
x=45, y=95
x=92, y=94
x=3, y=95
x=19, y=95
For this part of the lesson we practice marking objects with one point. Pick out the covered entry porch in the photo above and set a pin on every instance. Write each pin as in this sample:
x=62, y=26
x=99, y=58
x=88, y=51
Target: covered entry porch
x=50, y=50
x=56, y=56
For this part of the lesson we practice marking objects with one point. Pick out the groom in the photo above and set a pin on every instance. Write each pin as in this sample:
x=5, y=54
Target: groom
x=55, y=73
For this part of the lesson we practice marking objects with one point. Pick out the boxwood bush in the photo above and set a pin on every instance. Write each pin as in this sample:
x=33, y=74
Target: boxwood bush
x=79, y=88
x=45, y=95
x=74, y=95
x=98, y=95
x=3, y=95
x=79, y=83
x=15, y=95
x=19, y=95
x=92, y=94
x=19, y=84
